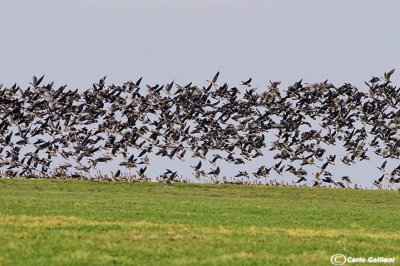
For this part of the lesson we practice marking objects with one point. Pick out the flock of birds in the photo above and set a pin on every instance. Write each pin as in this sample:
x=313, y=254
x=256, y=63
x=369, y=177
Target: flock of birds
x=53, y=132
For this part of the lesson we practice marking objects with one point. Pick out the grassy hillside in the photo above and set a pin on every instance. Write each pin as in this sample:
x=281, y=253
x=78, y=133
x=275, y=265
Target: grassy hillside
x=45, y=222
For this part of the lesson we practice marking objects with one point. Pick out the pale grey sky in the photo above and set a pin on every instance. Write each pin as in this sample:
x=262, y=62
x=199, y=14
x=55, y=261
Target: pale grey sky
x=77, y=42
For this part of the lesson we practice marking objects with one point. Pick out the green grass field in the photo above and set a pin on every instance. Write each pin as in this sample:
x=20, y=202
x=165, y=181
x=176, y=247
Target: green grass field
x=45, y=222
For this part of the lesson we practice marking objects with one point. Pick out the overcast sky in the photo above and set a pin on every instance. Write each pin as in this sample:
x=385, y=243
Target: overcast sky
x=77, y=42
